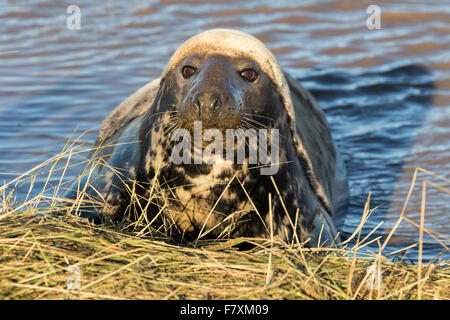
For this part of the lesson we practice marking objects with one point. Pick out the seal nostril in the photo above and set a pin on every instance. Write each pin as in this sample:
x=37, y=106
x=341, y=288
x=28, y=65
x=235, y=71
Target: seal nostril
x=216, y=104
x=206, y=102
x=216, y=101
x=197, y=104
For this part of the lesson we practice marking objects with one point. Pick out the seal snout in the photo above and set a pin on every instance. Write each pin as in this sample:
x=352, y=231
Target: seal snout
x=211, y=105
x=207, y=101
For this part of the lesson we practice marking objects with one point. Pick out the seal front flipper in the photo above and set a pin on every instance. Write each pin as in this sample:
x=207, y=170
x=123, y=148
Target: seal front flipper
x=101, y=190
x=117, y=163
x=324, y=232
x=83, y=203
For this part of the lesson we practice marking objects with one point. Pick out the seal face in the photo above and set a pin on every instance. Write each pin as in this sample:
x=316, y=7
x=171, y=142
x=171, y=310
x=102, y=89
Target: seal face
x=211, y=92
x=218, y=82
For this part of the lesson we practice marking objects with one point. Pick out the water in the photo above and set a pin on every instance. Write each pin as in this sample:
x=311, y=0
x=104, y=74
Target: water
x=386, y=92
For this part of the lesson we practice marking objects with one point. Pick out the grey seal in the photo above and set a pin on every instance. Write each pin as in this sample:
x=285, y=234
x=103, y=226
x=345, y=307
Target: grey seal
x=226, y=79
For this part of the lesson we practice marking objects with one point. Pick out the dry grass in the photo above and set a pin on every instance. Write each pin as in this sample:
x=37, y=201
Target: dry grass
x=122, y=261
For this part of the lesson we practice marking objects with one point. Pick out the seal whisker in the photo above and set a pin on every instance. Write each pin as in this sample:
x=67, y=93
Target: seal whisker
x=268, y=129
x=249, y=125
x=162, y=123
x=242, y=137
x=162, y=112
x=257, y=122
x=257, y=115
x=259, y=147
x=264, y=148
x=175, y=126
x=156, y=125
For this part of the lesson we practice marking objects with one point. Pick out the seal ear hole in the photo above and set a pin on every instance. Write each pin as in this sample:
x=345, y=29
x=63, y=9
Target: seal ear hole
x=249, y=75
x=188, y=71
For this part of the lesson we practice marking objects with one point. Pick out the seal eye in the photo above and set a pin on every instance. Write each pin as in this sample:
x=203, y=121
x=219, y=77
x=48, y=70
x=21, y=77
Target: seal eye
x=188, y=71
x=249, y=75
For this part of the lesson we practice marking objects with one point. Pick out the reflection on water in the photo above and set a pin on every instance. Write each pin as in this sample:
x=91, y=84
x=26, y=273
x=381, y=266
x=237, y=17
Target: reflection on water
x=386, y=92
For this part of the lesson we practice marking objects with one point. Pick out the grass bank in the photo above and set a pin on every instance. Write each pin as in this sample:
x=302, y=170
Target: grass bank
x=36, y=254
x=48, y=257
